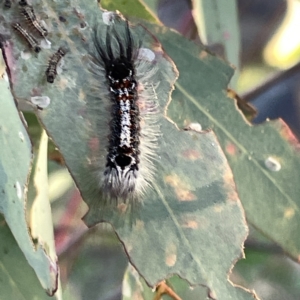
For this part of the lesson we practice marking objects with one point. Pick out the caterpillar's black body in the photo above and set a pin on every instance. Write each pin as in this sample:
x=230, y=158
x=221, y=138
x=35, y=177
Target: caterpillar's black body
x=123, y=111
x=28, y=37
x=122, y=161
x=29, y=14
x=51, y=71
x=7, y=3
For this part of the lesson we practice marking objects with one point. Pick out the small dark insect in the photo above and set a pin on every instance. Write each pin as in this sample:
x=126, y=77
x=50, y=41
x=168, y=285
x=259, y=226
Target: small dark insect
x=7, y=3
x=28, y=13
x=23, y=3
x=29, y=38
x=52, y=65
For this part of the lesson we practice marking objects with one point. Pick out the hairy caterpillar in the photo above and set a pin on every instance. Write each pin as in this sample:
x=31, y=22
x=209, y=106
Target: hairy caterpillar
x=126, y=109
x=7, y=3
x=28, y=13
x=51, y=71
x=28, y=37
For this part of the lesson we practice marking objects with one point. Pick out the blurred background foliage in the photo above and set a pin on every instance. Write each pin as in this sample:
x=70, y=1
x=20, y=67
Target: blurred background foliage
x=93, y=262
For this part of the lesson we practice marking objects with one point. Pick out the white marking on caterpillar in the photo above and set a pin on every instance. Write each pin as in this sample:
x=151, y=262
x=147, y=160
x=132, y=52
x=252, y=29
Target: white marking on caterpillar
x=125, y=157
x=28, y=37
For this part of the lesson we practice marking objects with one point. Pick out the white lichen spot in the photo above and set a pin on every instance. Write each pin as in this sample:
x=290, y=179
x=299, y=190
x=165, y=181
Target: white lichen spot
x=146, y=54
x=195, y=126
x=272, y=164
x=108, y=17
x=40, y=101
x=45, y=44
x=21, y=136
x=19, y=189
x=25, y=55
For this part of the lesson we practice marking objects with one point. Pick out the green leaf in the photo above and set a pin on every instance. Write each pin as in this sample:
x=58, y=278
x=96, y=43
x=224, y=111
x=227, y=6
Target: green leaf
x=192, y=214
x=131, y=8
x=41, y=224
x=217, y=23
x=18, y=280
x=15, y=163
x=272, y=275
x=270, y=198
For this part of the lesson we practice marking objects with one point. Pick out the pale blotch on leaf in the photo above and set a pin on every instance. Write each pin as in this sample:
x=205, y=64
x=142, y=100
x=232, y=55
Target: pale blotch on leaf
x=81, y=95
x=229, y=186
x=203, y=54
x=146, y=54
x=272, y=164
x=25, y=55
x=289, y=213
x=40, y=101
x=45, y=44
x=181, y=188
x=108, y=17
x=139, y=225
x=18, y=189
x=218, y=208
x=59, y=68
x=21, y=136
x=171, y=255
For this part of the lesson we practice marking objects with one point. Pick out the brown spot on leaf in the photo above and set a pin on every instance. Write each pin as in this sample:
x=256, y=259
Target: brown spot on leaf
x=171, y=255
x=231, y=149
x=218, y=208
x=191, y=154
x=203, y=54
x=181, y=188
x=185, y=195
x=94, y=144
x=122, y=207
x=230, y=186
x=192, y=224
